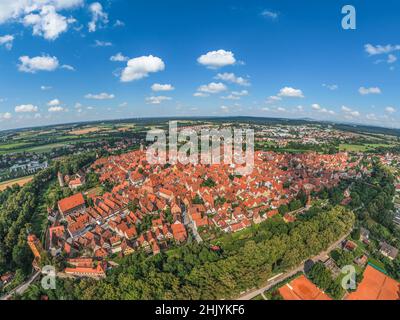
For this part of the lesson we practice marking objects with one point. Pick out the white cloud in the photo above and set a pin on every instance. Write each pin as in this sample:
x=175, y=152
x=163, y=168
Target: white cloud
x=212, y=88
x=67, y=67
x=273, y=99
x=390, y=110
x=54, y=102
x=224, y=109
x=236, y=95
x=217, y=59
x=290, y=92
x=119, y=57
x=56, y=109
x=98, y=43
x=7, y=41
x=157, y=99
x=270, y=14
x=40, y=63
x=119, y=23
x=331, y=86
x=391, y=58
x=316, y=106
x=162, y=87
x=379, y=49
x=372, y=90
x=349, y=112
x=5, y=116
x=47, y=23
x=231, y=77
x=123, y=104
x=100, y=96
x=45, y=88
x=201, y=95
x=13, y=10
x=25, y=108
x=140, y=67
x=320, y=109
x=98, y=16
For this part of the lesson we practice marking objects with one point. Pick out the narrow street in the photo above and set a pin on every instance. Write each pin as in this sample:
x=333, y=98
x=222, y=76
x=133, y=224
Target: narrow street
x=22, y=287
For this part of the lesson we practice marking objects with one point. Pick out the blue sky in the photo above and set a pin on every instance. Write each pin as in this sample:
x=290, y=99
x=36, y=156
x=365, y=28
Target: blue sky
x=197, y=58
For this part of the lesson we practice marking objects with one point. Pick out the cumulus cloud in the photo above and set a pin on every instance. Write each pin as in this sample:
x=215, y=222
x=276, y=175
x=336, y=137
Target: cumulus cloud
x=5, y=116
x=390, y=110
x=371, y=90
x=273, y=99
x=98, y=16
x=7, y=41
x=54, y=102
x=98, y=43
x=290, y=92
x=201, y=95
x=25, y=108
x=217, y=59
x=379, y=49
x=138, y=68
x=212, y=87
x=349, y=113
x=224, y=108
x=391, y=58
x=56, y=109
x=330, y=86
x=45, y=88
x=100, y=96
x=236, y=95
x=232, y=78
x=40, y=63
x=157, y=99
x=119, y=57
x=14, y=10
x=47, y=23
x=318, y=108
x=67, y=67
x=162, y=87
x=270, y=14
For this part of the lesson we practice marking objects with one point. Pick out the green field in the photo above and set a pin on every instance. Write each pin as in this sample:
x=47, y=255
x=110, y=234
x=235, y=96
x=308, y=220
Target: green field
x=363, y=147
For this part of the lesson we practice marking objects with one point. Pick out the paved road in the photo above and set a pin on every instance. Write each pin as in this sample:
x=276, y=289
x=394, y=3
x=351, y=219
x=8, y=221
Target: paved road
x=21, y=288
x=252, y=294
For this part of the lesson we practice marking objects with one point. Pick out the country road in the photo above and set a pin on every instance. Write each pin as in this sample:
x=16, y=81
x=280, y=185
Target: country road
x=21, y=288
x=254, y=293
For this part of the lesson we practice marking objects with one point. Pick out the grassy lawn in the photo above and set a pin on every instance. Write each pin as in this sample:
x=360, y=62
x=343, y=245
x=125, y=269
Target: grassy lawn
x=362, y=148
x=376, y=263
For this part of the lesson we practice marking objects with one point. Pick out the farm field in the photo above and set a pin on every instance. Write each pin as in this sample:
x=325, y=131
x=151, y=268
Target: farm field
x=19, y=181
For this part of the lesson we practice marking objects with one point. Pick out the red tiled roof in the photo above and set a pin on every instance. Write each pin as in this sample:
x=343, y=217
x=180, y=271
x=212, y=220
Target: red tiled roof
x=72, y=202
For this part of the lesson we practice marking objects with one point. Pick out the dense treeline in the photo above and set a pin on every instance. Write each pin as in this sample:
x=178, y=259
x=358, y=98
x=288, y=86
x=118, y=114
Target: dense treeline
x=196, y=272
x=23, y=211
x=373, y=196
